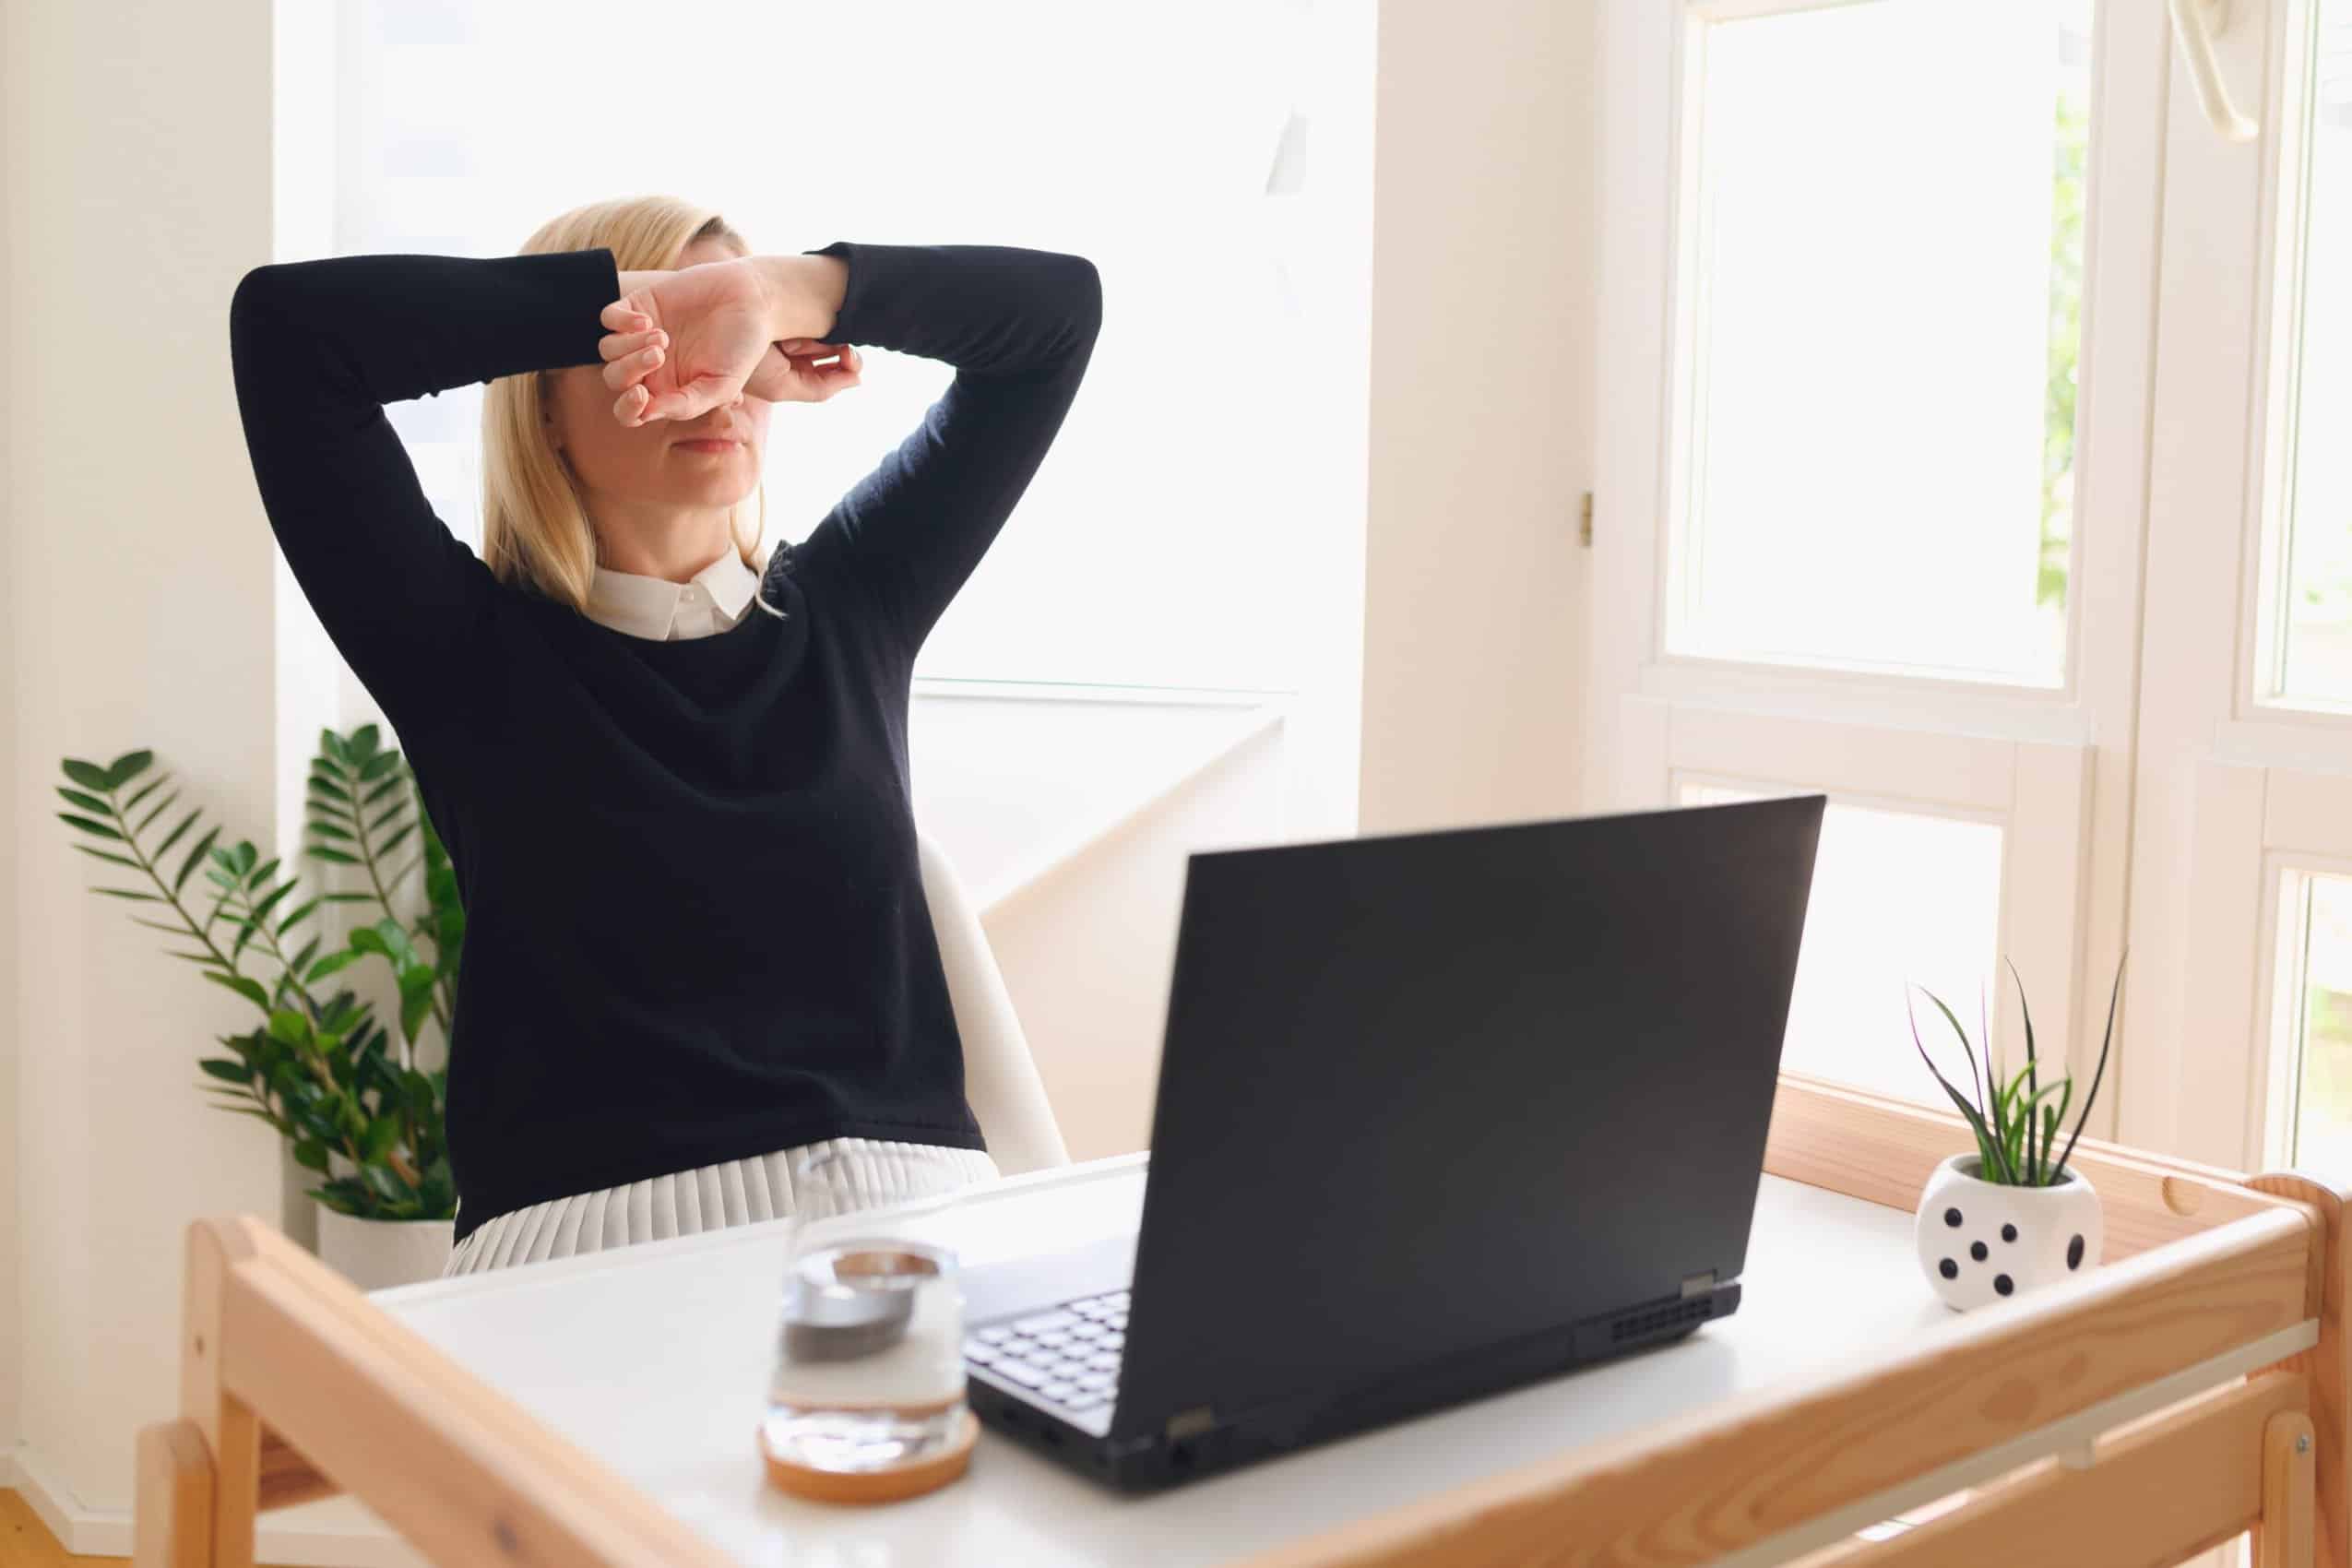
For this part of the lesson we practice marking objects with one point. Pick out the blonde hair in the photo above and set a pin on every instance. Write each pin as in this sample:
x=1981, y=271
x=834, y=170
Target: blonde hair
x=535, y=532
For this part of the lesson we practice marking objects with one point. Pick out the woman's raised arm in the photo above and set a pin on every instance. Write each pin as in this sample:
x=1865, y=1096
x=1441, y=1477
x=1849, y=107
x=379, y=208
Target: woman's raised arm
x=1019, y=327
x=317, y=348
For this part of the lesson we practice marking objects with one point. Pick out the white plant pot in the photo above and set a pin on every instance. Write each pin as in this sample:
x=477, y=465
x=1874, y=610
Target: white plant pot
x=376, y=1254
x=1981, y=1242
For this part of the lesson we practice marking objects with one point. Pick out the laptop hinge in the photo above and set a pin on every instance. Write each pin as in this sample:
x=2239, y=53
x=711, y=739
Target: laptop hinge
x=1191, y=1422
x=1698, y=1284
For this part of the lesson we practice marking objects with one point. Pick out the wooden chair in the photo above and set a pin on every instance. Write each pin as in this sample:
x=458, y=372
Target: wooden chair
x=1000, y=1077
x=294, y=1386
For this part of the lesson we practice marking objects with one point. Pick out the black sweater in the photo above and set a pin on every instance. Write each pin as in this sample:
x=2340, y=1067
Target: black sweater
x=695, y=929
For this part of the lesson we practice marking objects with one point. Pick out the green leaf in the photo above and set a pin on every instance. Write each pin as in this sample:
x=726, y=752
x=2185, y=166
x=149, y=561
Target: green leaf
x=144, y=791
x=334, y=857
x=286, y=1025
x=157, y=810
x=416, y=1006
x=195, y=856
x=128, y=892
x=89, y=825
x=2032, y=1066
x=383, y=789
x=331, y=788
x=330, y=964
x=1988, y=1148
x=243, y=985
x=246, y=931
x=2106, y=1039
x=378, y=765
x=109, y=859
x=399, y=837
x=86, y=803
x=333, y=830
x=173, y=836
x=396, y=809
x=295, y=918
x=269, y=900
x=246, y=855
x=89, y=776
x=332, y=745
x=310, y=1154
x=364, y=742
x=396, y=942
x=383, y=1135
x=228, y=1071
x=341, y=1015
x=127, y=766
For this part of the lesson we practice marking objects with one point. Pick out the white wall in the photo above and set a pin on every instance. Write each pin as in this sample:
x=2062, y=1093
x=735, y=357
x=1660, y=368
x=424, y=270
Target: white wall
x=138, y=600
x=1482, y=412
x=11, y=1040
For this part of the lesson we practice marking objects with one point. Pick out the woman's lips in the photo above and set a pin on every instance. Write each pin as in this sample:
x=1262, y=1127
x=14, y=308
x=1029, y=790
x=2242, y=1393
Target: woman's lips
x=707, y=445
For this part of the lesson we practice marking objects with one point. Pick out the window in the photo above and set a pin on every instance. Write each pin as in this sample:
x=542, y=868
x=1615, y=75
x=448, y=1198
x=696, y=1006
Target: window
x=1883, y=322
x=2309, y=611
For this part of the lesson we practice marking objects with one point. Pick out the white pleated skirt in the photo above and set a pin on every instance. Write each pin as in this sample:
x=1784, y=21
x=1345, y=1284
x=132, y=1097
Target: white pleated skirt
x=710, y=1197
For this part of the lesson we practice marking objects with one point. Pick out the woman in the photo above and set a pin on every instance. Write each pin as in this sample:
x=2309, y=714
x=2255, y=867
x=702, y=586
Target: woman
x=671, y=773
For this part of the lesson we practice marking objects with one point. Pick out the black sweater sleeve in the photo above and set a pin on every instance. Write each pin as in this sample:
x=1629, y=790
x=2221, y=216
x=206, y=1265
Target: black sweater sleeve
x=1019, y=327
x=317, y=348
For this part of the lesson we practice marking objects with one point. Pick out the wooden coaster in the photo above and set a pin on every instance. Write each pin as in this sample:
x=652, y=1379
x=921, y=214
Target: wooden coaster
x=911, y=1479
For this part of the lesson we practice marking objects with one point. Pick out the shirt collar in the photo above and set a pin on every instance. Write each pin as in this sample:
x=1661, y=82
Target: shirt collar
x=646, y=607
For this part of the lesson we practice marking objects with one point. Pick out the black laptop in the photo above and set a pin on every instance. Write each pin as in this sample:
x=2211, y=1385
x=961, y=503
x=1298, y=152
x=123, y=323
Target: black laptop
x=1439, y=1115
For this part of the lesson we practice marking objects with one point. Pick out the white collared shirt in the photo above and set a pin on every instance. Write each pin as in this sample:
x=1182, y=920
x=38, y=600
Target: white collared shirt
x=710, y=601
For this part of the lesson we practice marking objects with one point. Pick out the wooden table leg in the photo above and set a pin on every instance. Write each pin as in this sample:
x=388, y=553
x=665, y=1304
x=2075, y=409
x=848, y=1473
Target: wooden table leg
x=172, y=1526
x=231, y=1434
x=2328, y=1364
x=2290, y=1470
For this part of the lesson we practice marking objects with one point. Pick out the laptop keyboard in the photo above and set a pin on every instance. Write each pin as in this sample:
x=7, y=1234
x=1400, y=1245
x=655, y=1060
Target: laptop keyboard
x=1067, y=1357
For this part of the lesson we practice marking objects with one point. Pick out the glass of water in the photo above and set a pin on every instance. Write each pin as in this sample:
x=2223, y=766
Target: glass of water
x=869, y=1371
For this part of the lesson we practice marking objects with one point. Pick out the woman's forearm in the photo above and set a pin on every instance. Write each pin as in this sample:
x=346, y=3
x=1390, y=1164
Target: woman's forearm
x=804, y=294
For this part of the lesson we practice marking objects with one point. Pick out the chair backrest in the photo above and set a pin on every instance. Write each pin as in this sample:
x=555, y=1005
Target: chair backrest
x=1000, y=1077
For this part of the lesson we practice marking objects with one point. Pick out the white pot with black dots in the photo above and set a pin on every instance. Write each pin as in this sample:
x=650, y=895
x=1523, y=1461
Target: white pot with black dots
x=1982, y=1242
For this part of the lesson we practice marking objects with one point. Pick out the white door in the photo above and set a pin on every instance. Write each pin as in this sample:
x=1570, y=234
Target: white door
x=1977, y=446
x=1875, y=381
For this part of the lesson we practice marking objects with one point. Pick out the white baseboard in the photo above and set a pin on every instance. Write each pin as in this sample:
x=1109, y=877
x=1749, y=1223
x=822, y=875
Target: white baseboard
x=333, y=1534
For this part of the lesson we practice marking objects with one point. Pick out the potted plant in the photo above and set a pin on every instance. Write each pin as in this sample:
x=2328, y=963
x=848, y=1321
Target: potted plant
x=2012, y=1215
x=352, y=1099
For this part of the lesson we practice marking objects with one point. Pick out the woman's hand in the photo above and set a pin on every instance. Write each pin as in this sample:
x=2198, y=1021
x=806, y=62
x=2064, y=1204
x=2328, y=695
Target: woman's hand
x=680, y=343
x=791, y=374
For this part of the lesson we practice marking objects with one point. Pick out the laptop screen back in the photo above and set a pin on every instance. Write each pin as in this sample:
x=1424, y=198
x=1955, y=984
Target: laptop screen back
x=1424, y=1093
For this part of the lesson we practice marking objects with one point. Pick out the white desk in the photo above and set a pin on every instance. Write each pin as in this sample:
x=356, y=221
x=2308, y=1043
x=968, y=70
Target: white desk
x=654, y=1359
